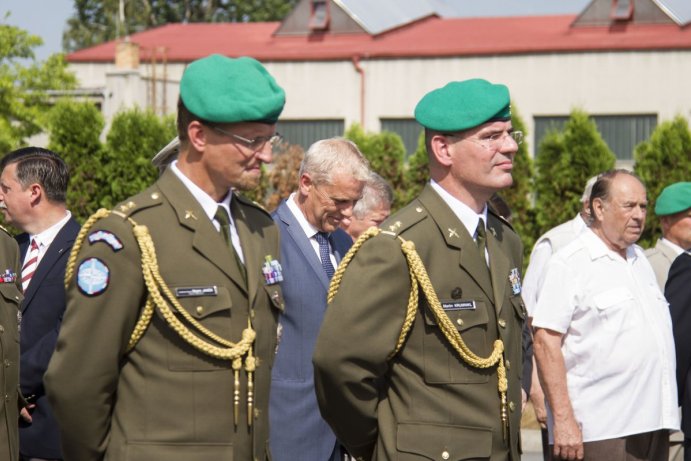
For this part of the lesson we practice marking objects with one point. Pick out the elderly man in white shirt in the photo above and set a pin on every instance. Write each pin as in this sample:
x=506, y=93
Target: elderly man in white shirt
x=603, y=336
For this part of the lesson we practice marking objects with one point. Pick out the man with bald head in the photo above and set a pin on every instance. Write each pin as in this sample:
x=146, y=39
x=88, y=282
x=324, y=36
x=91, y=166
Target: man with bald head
x=603, y=336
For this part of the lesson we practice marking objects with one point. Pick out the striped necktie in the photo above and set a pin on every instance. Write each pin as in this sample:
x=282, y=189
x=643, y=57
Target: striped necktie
x=325, y=253
x=30, y=265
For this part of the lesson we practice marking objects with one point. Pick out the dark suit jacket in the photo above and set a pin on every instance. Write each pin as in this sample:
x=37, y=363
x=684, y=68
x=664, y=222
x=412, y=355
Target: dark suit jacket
x=678, y=294
x=42, y=310
x=297, y=430
x=425, y=401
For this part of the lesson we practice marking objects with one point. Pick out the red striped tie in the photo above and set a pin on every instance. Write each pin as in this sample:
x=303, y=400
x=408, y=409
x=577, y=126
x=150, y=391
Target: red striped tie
x=30, y=265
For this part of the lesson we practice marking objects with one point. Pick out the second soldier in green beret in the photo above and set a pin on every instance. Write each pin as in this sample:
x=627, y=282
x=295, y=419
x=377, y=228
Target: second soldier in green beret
x=429, y=367
x=166, y=347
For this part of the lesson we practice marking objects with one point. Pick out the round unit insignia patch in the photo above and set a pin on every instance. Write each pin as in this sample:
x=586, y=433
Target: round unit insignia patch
x=93, y=276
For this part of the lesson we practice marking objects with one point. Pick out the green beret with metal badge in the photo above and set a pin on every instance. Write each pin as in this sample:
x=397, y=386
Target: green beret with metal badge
x=463, y=105
x=229, y=90
x=674, y=198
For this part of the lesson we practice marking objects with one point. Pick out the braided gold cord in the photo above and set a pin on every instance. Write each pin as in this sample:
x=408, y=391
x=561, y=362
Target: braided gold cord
x=420, y=279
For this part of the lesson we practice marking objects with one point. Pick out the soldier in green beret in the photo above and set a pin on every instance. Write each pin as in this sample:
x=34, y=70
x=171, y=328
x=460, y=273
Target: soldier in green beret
x=419, y=355
x=673, y=206
x=166, y=346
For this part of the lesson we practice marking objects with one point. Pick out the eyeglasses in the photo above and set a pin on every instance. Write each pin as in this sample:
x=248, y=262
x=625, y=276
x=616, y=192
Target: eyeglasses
x=338, y=203
x=255, y=143
x=493, y=141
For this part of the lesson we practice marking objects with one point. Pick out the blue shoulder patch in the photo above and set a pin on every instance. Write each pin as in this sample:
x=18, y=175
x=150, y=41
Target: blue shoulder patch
x=106, y=237
x=93, y=277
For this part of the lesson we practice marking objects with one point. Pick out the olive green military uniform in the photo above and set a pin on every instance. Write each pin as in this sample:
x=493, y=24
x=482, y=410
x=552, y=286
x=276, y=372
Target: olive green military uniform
x=9, y=346
x=425, y=402
x=165, y=400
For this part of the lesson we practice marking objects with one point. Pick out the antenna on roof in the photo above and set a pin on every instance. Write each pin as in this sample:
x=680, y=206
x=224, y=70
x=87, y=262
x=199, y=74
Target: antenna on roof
x=121, y=20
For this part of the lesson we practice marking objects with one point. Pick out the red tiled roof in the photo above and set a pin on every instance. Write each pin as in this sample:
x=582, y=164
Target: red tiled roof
x=426, y=38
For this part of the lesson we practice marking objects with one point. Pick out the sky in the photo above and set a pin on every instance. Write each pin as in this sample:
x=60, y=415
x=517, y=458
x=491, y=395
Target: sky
x=47, y=18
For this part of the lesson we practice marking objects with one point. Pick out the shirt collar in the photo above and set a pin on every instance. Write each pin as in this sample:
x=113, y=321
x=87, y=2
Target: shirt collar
x=209, y=205
x=598, y=249
x=45, y=238
x=464, y=213
x=677, y=249
x=309, y=230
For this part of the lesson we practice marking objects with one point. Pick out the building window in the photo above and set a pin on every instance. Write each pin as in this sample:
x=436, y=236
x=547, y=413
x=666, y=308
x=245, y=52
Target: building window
x=306, y=132
x=622, y=10
x=407, y=128
x=622, y=133
x=319, y=15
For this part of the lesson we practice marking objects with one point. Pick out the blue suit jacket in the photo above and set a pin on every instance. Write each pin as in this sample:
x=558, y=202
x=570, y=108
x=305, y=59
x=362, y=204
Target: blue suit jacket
x=42, y=310
x=297, y=430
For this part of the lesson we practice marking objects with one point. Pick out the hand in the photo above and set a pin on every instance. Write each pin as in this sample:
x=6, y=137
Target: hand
x=568, y=439
x=524, y=400
x=537, y=397
x=25, y=412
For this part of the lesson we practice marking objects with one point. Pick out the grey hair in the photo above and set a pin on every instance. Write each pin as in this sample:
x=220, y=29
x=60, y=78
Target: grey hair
x=585, y=198
x=603, y=184
x=377, y=192
x=327, y=156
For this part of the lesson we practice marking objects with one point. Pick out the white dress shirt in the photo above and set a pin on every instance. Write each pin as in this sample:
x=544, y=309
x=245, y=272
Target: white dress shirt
x=45, y=238
x=618, y=346
x=309, y=230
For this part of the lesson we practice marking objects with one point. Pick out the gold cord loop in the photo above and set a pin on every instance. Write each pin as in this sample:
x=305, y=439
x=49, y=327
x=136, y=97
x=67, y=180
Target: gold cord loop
x=160, y=296
x=420, y=279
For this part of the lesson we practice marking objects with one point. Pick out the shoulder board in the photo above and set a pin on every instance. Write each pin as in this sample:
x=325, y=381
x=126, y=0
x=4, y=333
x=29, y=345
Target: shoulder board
x=246, y=201
x=500, y=217
x=405, y=218
x=146, y=199
x=5, y=231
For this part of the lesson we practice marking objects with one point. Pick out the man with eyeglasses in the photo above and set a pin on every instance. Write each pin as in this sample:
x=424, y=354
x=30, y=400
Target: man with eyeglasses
x=166, y=347
x=331, y=179
x=432, y=369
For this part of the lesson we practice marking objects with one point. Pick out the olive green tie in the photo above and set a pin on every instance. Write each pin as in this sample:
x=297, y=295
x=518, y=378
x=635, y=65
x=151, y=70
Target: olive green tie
x=224, y=220
x=481, y=239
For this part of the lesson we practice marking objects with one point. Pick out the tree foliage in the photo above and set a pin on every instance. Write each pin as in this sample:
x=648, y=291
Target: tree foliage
x=74, y=129
x=97, y=21
x=134, y=138
x=416, y=172
x=660, y=161
x=519, y=195
x=565, y=162
x=24, y=86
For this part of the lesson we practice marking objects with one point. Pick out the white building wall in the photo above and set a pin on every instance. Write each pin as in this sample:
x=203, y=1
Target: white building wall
x=607, y=83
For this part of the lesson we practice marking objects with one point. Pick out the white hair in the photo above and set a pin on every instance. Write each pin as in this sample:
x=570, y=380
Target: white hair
x=377, y=192
x=327, y=156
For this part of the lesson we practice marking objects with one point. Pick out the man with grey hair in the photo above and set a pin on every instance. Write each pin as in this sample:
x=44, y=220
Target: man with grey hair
x=372, y=209
x=331, y=179
x=548, y=244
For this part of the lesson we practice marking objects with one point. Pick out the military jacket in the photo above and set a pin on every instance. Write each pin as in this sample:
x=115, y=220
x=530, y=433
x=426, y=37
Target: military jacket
x=425, y=402
x=10, y=300
x=165, y=399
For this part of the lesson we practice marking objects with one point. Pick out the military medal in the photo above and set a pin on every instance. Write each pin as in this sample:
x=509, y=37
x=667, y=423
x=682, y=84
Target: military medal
x=515, y=280
x=272, y=270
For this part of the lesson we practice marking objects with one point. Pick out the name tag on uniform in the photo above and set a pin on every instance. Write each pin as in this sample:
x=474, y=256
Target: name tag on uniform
x=458, y=305
x=189, y=292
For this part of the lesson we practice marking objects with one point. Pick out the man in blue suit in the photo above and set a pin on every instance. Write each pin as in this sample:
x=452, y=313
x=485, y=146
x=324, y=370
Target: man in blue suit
x=331, y=178
x=33, y=187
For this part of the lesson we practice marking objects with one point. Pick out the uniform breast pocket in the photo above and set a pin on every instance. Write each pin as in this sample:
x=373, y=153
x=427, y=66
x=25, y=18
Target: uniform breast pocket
x=442, y=362
x=616, y=309
x=211, y=307
x=13, y=298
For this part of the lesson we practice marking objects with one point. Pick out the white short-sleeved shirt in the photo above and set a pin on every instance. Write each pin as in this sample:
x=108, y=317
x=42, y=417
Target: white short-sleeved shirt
x=618, y=345
x=548, y=244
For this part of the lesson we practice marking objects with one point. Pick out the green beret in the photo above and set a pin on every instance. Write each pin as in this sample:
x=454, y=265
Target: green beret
x=674, y=198
x=462, y=105
x=225, y=90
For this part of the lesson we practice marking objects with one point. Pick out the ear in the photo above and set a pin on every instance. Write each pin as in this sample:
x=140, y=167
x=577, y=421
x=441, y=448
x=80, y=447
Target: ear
x=35, y=193
x=305, y=184
x=440, y=150
x=197, y=135
x=598, y=208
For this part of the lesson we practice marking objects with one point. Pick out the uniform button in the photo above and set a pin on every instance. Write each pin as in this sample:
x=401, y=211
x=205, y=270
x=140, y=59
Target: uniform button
x=2, y=329
x=512, y=406
x=508, y=364
x=7, y=363
x=200, y=310
x=252, y=313
x=155, y=195
x=502, y=323
x=7, y=398
x=459, y=322
x=445, y=455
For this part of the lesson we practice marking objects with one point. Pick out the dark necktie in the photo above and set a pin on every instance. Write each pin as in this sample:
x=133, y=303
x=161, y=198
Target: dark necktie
x=481, y=239
x=224, y=220
x=324, y=253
